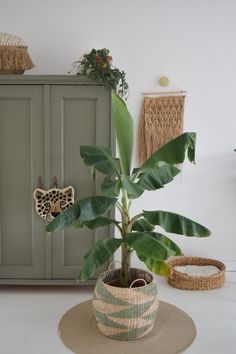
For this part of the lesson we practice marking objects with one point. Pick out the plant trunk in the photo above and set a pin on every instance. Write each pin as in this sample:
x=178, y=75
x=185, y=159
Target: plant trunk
x=125, y=266
x=126, y=252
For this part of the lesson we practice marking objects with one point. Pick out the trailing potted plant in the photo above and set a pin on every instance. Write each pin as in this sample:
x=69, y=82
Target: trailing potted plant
x=98, y=66
x=123, y=312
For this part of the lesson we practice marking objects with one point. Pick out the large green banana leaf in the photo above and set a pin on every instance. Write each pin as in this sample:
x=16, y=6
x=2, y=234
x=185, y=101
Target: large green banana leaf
x=173, y=152
x=100, y=158
x=142, y=225
x=83, y=210
x=111, y=187
x=64, y=219
x=157, y=177
x=167, y=242
x=97, y=256
x=133, y=189
x=176, y=223
x=157, y=267
x=100, y=221
x=148, y=246
x=124, y=132
x=94, y=206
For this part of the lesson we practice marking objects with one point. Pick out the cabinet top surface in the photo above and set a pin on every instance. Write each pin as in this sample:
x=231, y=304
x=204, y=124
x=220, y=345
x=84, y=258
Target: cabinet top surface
x=47, y=80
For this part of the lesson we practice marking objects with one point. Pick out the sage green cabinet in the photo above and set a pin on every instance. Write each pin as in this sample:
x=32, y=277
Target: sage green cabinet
x=43, y=122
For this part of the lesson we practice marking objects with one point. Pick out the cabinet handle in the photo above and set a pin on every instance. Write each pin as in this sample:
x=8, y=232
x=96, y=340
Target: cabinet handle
x=40, y=182
x=55, y=182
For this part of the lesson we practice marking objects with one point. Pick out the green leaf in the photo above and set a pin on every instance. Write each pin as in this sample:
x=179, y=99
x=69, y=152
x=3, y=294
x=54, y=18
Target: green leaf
x=159, y=268
x=158, y=177
x=111, y=188
x=173, y=152
x=94, y=206
x=142, y=225
x=133, y=189
x=64, y=219
x=176, y=223
x=124, y=132
x=147, y=246
x=97, y=256
x=100, y=158
x=100, y=221
x=167, y=242
x=82, y=210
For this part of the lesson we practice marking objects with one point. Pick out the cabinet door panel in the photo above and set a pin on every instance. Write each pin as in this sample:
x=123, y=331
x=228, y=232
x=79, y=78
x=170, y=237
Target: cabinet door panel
x=79, y=115
x=22, y=242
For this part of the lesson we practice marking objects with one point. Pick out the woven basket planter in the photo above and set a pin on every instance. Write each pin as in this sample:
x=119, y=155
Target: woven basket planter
x=187, y=282
x=125, y=313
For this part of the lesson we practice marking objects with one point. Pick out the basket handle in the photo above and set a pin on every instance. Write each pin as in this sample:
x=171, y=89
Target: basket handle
x=133, y=282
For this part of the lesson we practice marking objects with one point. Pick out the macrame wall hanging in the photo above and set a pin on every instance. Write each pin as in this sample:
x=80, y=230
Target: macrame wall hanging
x=161, y=118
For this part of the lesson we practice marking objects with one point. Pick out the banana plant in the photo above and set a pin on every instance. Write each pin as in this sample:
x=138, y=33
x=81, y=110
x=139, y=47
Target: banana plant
x=120, y=188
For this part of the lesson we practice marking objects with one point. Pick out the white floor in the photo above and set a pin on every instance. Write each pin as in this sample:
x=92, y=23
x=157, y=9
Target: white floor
x=29, y=317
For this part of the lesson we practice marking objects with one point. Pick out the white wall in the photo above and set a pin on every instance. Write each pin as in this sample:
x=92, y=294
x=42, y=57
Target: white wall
x=193, y=42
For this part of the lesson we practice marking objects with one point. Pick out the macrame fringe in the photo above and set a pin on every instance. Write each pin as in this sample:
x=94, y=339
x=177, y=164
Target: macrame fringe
x=14, y=60
x=142, y=145
x=161, y=121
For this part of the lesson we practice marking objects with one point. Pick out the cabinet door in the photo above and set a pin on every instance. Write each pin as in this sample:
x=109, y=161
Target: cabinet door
x=22, y=241
x=79, y=115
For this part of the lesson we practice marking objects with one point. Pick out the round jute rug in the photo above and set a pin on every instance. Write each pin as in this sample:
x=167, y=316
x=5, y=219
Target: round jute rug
x=174, y=331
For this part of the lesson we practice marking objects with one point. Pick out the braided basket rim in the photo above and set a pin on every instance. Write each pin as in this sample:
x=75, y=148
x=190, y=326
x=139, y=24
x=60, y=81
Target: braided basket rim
x=184, y=281
x=102, y=275
x=196, y=261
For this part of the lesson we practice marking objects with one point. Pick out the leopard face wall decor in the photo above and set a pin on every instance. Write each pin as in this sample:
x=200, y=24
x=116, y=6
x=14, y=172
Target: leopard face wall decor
x=51, y=202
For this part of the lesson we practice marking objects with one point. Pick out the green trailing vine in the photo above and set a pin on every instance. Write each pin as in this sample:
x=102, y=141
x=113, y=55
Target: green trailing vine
x=97, y=65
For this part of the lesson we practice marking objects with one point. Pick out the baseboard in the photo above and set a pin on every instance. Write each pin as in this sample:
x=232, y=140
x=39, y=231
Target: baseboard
x=54, y=282
x=230, y=265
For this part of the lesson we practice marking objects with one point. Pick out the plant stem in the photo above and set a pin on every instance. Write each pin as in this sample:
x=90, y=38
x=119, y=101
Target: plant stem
x=125, y=266
x=119, y=228
x=135, y=218
x=126, y=252
x=119, y=207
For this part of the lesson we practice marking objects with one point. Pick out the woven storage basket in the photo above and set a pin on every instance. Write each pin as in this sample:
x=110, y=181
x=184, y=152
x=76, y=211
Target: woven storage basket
x=125, y=313
x=187, y=282
x=14, y=56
